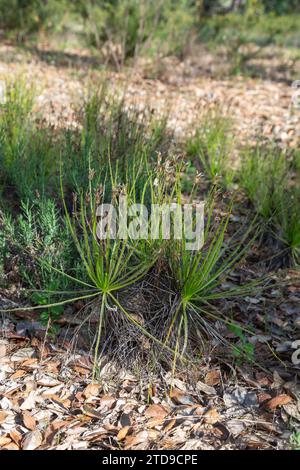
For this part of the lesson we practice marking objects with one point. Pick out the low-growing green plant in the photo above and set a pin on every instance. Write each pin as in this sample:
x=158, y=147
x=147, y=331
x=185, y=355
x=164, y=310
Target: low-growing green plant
x=212, y=146
x=295, y=440
x=244, y=349
x=36, y=241
x=265, y=176
x=15, y=123
x=28, y=154
x=121, y=153
x=287, y=222
x=243, y=37
x=50, y=314
x=199, y=277
x=130, y=28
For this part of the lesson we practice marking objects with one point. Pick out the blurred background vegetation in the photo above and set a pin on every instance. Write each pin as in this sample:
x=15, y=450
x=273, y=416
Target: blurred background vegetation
x=124, y=29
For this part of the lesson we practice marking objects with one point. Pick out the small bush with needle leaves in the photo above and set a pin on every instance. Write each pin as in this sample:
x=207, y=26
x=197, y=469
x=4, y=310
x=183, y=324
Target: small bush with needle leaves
x=33, y=244
x=27, y=150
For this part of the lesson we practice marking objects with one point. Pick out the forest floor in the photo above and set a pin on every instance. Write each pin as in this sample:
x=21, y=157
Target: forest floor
x=47, y=398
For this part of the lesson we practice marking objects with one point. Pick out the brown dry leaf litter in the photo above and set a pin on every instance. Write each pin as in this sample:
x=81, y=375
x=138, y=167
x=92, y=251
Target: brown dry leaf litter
x=260, y=109
x=42, y=410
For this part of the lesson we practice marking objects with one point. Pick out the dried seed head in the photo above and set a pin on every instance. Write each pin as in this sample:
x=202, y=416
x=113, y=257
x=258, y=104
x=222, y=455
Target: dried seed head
x=87, y=198
x=91, y=174
x=198, y=177
x=98, y=194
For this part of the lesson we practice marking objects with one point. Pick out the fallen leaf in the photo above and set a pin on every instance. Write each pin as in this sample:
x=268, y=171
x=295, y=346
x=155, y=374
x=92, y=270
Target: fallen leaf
x=32, y=440
x=293, y=410
x=6, y=404
x=92, y=390
x=156, y=411
x=81, y=370
x=205, y=388
x=107, y=401
x=123, y=433
x=3, y=416
x=132, y=441
x=30, y=362
x=4, y=440
x=51, y=391
x=211, y=416
x=153, y=422
x=23, y=354
x=48, y=381
x=213, y=377
x=87, y=410
x=3, y=349
x=181, y=398
x=240, y=396
x=19, y=373
x=235, y=426
x=263, y=397
x=28, y=421
x=16, y=436
x=29, y=402
x=278, y=401
x=169, y=425
x=11, y=446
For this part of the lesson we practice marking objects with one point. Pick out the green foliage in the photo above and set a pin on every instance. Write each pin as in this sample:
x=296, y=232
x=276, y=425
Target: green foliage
x=212, y=146
x=295, y=440
x=50, y=314
x=131, y=27
x=263, y=174
x=29, y=16
x=125, y=27
x=199, y=276
x=35, y=242
x=243, y=37
x=27, y=152
x=281, y=7
x=244, y=349
x=266, y=178
x=112, y=139
x=15, y=111
x=287, y=220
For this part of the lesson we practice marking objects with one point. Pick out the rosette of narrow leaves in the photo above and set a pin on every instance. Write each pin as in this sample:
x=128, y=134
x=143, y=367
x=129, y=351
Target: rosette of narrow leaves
x=199, y=277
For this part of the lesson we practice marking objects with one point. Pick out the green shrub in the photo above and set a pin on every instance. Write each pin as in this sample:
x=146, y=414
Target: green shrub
x=132, y=27
x=26, y=151
x=127, y=28
x=25, y=17
x=35, y=242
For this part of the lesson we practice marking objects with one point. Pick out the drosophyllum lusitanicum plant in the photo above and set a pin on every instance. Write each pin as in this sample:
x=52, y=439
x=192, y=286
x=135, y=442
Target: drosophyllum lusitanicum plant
x=181, y=285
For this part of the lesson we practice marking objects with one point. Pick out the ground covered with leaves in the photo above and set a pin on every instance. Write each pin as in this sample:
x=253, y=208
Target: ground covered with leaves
x=49, y=402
